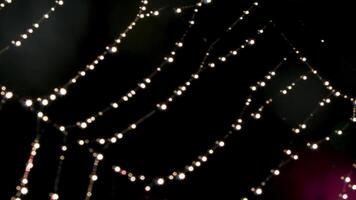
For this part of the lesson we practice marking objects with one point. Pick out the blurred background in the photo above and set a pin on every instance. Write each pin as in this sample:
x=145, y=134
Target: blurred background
x=80, y=30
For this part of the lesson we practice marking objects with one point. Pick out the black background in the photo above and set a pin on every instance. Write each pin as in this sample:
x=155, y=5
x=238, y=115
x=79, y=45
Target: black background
x=81, y=29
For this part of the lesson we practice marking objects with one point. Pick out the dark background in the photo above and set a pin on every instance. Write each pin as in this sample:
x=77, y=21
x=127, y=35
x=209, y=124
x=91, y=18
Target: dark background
x=81, y=29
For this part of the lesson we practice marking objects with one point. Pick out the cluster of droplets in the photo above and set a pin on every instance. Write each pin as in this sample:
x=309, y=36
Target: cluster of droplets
x=5, y=95
x=180, y=175
x=326, y=83
x=5, y=3
x=353, y=118
x=314, y=146
x=294, y=156
x=93, y=177
x=143, y=84
x=175, y=175
x=349, y=185
x=109, y=50
x=63, y=149
x=22, y=189
x=62, y=91
x=303, y=125
x=99, y=157
x=35, y=26
x=257, y=115
x=163, y=106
